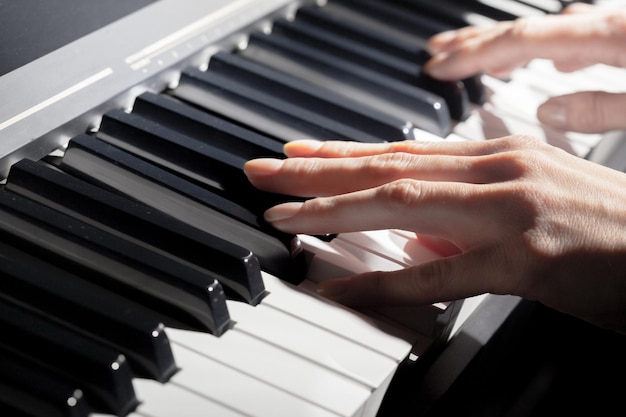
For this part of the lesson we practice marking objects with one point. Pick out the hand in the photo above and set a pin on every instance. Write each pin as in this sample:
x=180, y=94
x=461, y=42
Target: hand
x=580, y=37
x=525, y=218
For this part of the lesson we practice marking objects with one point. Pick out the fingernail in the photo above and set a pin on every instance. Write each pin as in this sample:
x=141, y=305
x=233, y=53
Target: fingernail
x=553, y=113
x=282, y=212
x=440, y=41
x=302, y=147
x=433, y=66
x=262, y=166
x=333, y=288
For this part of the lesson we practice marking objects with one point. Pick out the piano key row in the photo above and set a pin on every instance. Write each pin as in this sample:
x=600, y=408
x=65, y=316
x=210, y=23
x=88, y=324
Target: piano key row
x=240, y=357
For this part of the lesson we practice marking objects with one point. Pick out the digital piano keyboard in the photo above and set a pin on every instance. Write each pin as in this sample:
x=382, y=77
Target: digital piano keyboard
x=137, y=276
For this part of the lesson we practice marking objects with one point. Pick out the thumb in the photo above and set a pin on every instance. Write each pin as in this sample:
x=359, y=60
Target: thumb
x=446, y=279
x=587, y=111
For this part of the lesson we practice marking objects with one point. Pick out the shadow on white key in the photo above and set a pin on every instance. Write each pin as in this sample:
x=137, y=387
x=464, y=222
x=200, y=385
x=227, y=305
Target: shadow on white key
x=382, y=250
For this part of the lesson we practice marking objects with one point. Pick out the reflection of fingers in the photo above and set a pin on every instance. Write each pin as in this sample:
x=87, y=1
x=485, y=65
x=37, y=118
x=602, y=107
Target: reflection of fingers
x=588, y=112
x=474, y=272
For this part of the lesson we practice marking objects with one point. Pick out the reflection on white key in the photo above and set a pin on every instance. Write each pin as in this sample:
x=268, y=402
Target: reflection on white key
x=399, y=248
x=381, y=250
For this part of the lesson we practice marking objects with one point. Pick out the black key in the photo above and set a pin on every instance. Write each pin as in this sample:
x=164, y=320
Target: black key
x=208, y=89
x=545, y=10
x=94, y=311
x=184, y=296
x=235, y=267
x=101, y=373
x=403, y=33
x=503, y=12
x=352, y=21
x=384, y=27
x=111, y=167
x=451, y=13
x=234, y=103
x=203, y=126
x=423, y=109
x=453, y=17
x=27, y=389
x=300, y=94
x=215, y=166
x=453, y=93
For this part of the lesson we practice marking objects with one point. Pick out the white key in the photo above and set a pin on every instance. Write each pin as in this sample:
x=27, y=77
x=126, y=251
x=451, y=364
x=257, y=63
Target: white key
x=279, y=368
x=513, y=7
x=399, y=248
x=303, y=303
x=168, y=400
x=305, y=339
x=236, y=390
x=384, y=250
x=511, y=109
x=330, y=261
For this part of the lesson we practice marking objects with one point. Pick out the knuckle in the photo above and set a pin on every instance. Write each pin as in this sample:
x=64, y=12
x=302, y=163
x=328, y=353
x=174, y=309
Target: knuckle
x=431, y=279
x=319, y=206
x=298, y=167
x=518, y=29
x=516, y=142
x=401, y=193
x=395, y=162
x=616, y=22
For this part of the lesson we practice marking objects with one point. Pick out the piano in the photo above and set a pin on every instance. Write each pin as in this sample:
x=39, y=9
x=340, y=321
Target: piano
x=138, y=278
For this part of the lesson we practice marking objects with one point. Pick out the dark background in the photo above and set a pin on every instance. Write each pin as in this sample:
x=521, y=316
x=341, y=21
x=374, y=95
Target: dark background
x=30, y=29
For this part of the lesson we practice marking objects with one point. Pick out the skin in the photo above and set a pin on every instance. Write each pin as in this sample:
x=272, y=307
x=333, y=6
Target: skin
x=581, y=36
x=509, y=216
